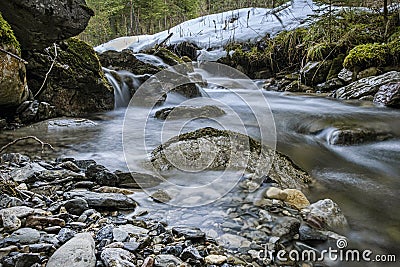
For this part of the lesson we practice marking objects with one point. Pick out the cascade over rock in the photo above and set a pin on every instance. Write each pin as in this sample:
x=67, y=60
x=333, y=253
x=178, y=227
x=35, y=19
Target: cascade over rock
x=38, y=24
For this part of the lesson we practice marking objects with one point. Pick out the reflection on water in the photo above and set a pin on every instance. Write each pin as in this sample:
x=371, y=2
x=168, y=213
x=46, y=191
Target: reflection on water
x=363, y=179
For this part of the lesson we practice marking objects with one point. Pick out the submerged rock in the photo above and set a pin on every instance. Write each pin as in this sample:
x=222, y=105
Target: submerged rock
x=181, y=112
x=213, y=149
x=38, y=24
x=354, y=136
x=76, y=85
x=13, y=85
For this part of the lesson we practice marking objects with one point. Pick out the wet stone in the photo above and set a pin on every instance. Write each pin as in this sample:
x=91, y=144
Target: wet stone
x=103, y=200
x=65, y=234
x=188, y=232
x=113, y=257
x=21, y=260
x=166, y=260
x=76, y=206
x=190, y=253
x=26, y=235
x=101, y=175
x=105, y=233
x=78, y=251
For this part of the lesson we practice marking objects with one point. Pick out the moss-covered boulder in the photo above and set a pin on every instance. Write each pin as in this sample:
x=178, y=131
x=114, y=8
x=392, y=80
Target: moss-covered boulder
x=13, y=86
x=76, y=85
x=38, y=24
x=213, y=149
x=367, y=55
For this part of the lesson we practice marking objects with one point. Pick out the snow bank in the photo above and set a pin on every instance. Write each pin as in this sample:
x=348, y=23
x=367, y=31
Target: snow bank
x=212, y=32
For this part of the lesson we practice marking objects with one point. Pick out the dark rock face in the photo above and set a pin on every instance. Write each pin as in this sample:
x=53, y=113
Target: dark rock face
x=38, y=24
x=76, y=85
x=314, y=73
x=388, y=95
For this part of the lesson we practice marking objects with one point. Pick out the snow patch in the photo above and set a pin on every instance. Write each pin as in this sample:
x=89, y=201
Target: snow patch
x=213, y=32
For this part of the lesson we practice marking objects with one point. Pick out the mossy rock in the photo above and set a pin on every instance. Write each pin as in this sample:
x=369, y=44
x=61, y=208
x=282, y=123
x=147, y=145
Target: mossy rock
x=76, y=85
x=7, y=37
x=13, y=85
x=367, y=55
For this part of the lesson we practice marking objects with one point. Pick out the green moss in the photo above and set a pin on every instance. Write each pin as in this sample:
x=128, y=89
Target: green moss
x=82, y=53
x=80, y=57
x=367, y=55
x=395, y=36
x=7, y=35
x=168, y=57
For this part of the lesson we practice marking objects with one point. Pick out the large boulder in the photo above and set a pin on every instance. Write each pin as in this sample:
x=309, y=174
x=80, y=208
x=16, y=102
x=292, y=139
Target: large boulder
x=13, y=86
x=366, y=87
x=213, y=149
x=76, y=85
x=388, y=95
x=38, y=24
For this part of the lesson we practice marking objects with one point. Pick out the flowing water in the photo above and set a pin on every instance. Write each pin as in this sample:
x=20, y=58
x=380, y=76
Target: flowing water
x=363, y=179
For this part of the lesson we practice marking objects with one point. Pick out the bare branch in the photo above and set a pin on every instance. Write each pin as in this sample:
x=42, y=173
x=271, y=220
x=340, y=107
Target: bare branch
x=14, y=56
x=43, y=144
x=48, y=73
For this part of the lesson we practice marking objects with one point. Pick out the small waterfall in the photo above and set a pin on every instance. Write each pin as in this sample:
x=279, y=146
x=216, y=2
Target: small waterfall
x=125, y=85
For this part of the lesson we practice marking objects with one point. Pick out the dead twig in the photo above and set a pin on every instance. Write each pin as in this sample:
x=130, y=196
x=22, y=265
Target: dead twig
x=48, y=73
x=14, y=56
x=43, y=144
x=157, y=47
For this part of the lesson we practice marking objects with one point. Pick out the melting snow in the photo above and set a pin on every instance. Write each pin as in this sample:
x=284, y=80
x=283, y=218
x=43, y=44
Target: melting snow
x=212, y=32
